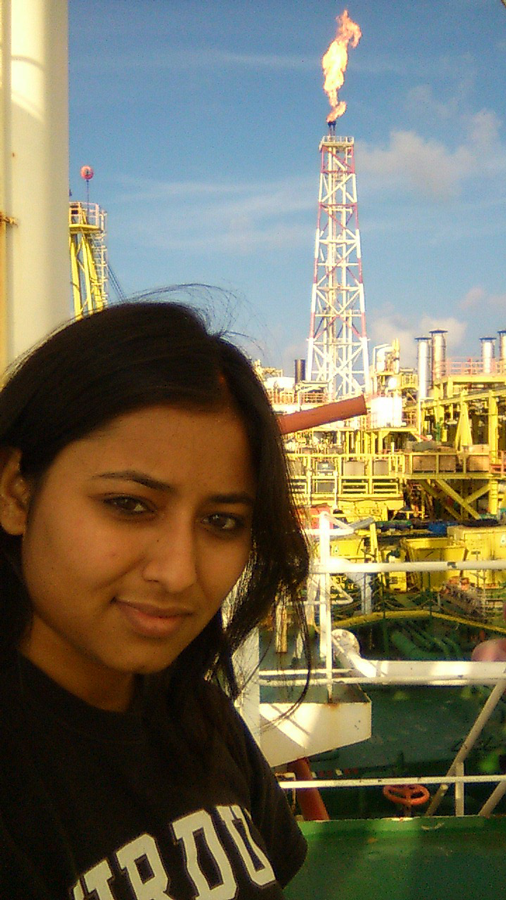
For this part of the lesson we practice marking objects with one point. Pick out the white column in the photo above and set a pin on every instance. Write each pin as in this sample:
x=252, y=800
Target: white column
x=34, y=168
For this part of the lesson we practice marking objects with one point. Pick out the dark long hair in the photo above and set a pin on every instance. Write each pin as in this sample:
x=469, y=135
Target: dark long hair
x=128, y=357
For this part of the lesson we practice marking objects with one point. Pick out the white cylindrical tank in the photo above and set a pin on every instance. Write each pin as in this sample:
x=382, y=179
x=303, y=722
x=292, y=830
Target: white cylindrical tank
x=487, y=354
x=34, y=169
x=502, y=351
x=423, y=354
x=438, y=337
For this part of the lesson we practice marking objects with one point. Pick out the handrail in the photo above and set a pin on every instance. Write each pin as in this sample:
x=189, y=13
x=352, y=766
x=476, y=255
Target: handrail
x=474, y=366
x=470, y=741
x=336, y=565
x=366, y=672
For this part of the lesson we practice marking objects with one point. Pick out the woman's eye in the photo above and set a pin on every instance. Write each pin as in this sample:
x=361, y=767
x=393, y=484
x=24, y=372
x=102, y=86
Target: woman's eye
x=224, y=523
x=129, y=505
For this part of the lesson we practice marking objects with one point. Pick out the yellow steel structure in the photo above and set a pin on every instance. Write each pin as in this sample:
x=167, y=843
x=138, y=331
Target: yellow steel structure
x=359, y=485
x=458, y=485
x=88, y=258
x=467, y=413
x=446, y=458
x=407, y=614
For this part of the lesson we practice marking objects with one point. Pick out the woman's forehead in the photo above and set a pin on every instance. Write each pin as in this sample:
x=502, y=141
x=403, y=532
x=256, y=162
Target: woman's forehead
x=165, y=441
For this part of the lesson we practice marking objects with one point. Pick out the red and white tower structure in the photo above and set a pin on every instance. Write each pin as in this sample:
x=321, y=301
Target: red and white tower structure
x=337, y=351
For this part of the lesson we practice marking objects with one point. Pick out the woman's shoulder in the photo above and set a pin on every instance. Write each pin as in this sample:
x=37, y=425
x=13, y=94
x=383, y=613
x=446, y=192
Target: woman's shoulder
x=208, y=716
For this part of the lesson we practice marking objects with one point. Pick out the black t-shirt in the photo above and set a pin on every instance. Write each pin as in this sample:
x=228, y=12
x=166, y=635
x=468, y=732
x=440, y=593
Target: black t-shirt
x=123, y=806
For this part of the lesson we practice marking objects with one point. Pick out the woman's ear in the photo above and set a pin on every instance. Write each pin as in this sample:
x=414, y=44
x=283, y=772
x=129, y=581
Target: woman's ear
x=14, y=495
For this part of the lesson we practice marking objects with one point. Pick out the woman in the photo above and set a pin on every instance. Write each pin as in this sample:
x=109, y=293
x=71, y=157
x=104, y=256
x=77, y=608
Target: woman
x=142, y=482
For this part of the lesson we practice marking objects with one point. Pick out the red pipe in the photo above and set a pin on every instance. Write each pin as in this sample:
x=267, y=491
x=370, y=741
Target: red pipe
x=320, y=415
x=311, y=804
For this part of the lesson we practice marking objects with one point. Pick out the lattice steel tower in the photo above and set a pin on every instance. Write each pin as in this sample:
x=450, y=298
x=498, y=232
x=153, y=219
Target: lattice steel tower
x=88, y=258
x=337, y=351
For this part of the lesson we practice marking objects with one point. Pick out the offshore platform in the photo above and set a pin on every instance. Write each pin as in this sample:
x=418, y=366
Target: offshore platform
x=429, y=444
x=433, y=442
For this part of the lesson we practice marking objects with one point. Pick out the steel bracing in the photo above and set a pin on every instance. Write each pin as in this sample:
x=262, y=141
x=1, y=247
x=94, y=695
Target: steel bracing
x=337, y=351
x=88, y=258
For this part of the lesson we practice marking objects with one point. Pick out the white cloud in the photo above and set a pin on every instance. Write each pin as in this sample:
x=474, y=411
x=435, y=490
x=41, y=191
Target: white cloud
x=138, y=189
x=221, y=216
x=191, y=59
x=414, y=163
x=456, y=329
x=477, y=298
x=387, y=325
x=484, y=127
x=421, y=101
x=474, y=297
x=265, y=60
x=430, y=168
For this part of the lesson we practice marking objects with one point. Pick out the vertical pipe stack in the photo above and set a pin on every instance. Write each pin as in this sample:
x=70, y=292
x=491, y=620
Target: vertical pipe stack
x=502, y=351
x=438, y=336
x=300, y=370
x=34, y=170
x=423, y=367
x=487, y=354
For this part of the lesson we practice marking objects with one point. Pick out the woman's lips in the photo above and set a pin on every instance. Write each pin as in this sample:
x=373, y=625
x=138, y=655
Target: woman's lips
x=152, y=621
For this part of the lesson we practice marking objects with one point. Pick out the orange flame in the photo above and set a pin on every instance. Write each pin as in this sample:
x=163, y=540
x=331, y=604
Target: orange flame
x=335, y=61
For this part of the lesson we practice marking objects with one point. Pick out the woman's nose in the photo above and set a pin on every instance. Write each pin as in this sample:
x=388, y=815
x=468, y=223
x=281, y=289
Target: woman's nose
x=170, y=560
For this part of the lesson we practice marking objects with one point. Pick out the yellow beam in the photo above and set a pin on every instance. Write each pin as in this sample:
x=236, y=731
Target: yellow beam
x=398, y=614
x=429, y=489
x=445, y=487
x=479, y=492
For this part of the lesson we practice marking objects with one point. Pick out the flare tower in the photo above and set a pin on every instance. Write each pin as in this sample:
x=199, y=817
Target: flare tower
x=337, y=351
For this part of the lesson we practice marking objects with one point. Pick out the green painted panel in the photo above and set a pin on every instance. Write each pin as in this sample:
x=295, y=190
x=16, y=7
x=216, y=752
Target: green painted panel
x=441, y=858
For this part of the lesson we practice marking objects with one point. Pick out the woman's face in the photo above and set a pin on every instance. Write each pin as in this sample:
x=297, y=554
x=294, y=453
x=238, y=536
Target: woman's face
x=132, y=542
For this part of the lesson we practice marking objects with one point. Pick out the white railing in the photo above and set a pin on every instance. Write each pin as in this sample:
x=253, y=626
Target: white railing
x=343, y=664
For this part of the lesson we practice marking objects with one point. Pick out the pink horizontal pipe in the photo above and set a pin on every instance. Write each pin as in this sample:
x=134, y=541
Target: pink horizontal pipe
x=321, y=415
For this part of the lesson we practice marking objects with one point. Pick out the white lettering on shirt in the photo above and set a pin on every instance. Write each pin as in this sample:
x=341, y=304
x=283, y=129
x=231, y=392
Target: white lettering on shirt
x=97, y=881
x=206, y=865
x=187, y=829
x=155, y=886
x=231, y=816
x=78, y=891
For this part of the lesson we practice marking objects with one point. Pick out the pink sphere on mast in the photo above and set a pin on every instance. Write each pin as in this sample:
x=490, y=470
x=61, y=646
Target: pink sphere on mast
x=87, y=173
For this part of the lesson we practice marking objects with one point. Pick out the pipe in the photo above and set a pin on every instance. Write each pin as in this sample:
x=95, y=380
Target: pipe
x=438, y=336
x=5, y=124
x=324, y=783
x=338, y=565
x=423, y=367
x=321, y=415
x=300, y=370
x=469, y=741
x=34, y=169
x=496, y=795
x=487, y=354
x=502, y=345
x=310, y=801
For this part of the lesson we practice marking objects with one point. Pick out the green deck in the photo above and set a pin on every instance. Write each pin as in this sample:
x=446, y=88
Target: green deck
x=441, y=858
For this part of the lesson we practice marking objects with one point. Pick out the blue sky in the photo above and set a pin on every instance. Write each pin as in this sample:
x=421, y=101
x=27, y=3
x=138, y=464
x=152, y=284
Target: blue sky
x=202, y=122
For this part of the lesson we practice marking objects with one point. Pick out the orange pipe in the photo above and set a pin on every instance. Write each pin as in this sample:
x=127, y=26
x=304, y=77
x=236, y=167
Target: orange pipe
x=311, y=804
x=320, y=415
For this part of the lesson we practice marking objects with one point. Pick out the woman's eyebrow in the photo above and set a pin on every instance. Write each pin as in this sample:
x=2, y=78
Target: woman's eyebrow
x=138, y=477
x=154, y=484
x=234, y=497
